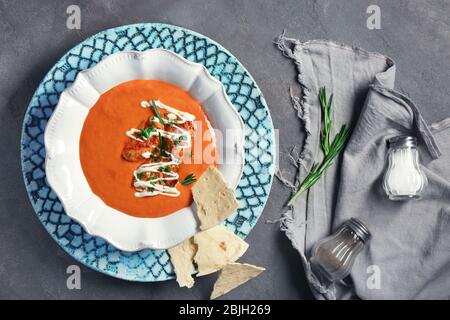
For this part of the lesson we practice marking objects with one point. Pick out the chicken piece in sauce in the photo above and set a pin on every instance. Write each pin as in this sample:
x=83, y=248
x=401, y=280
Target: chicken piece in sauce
x=133, y=150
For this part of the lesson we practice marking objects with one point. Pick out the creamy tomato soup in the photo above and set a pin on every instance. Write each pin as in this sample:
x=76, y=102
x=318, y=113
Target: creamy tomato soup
x=139, y=145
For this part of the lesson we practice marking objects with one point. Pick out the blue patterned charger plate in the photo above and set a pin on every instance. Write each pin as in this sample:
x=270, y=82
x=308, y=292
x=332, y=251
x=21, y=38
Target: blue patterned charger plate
x=259, y=146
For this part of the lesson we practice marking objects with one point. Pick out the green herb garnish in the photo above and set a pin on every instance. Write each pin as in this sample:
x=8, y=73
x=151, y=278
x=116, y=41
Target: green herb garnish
x=189, y=179
x=330, y=151
x=156, y=111
x=167, y=146
x=146, y=133
x=140, y=176
x=160, y=142
x=178, y=141
x=164, y=145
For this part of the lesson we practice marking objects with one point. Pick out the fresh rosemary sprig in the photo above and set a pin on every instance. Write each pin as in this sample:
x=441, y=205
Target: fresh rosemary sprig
x=189, y=179
x=330, y=150
x=327, y=126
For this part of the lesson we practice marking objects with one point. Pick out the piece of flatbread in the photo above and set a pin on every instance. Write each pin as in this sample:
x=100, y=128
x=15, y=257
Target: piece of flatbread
x=182, y=257
x=214, y=199
x=232, y=276
x=216, y=247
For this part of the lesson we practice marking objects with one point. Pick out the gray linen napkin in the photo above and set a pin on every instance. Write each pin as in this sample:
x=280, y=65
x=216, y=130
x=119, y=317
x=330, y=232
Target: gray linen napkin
x=409, y=252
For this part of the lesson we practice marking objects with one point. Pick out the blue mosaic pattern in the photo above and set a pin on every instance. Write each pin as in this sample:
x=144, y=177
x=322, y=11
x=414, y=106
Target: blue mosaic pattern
x=253, y=189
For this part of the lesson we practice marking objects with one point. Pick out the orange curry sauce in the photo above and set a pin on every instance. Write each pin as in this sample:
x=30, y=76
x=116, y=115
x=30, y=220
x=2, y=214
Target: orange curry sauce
x=104, y=135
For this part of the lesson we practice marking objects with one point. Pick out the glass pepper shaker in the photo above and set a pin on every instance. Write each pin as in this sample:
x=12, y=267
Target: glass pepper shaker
x=333, y=257
x=403, y=178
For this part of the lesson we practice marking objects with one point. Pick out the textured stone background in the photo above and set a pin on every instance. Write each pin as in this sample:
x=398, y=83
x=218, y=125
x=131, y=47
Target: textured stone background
x=33, y=35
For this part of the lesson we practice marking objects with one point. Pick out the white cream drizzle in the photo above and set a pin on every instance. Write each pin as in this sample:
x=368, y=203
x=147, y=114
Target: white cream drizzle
x=175, y=117
x=184, y=116
x=157, y=188
x=131, y=133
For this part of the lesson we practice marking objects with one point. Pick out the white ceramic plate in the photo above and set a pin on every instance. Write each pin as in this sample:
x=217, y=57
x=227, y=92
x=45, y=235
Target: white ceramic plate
x=62, y=134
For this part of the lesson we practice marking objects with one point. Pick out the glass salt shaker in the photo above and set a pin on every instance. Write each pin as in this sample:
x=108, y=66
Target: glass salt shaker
x=333, y=257
x=403, y=178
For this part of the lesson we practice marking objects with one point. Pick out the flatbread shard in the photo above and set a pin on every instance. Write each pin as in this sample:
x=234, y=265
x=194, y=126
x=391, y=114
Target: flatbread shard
x=214, y=199
x=217, y=247
x=232, y=276
x=182, y=257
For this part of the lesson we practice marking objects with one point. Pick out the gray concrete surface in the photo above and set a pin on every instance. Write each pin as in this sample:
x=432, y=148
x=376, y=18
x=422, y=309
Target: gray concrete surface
x=33, y=35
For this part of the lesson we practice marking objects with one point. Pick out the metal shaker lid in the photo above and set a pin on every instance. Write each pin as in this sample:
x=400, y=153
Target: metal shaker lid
x=402, y=141
x=359, y=229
